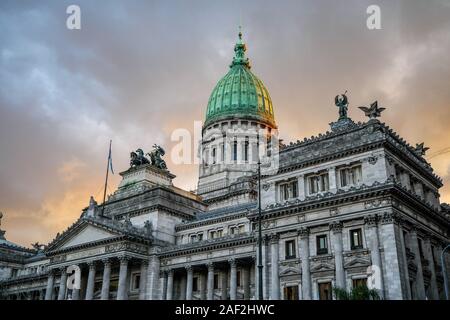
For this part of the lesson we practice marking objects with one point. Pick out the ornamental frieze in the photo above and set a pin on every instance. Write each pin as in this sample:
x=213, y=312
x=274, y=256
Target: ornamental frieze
x=126, y=246
x=377, y=203
x=58, y=259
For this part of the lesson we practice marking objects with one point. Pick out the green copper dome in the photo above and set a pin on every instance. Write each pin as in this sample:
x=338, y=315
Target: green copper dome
x=240, y=94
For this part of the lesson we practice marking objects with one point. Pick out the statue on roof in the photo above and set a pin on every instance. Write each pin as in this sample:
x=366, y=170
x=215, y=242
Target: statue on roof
x=420, y=149
x=155, y=157
x=341, y=101
x=137, y=158
x=38, y=246
x=373, y=111
x=148, y=226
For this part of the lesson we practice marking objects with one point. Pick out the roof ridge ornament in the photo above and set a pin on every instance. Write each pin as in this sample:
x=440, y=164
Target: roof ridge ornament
x=373, y=112
x=420, y=149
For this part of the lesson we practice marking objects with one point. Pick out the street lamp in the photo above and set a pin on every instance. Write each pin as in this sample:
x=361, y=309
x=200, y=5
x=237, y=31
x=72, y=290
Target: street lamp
x=444, y=271
x=260, y=266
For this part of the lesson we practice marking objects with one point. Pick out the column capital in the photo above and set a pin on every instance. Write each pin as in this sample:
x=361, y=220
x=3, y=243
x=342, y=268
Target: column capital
x=303, y=232
x=91, y=264
x=232, y=262
x=336, y=226
x=210, y=266
x=274, y=237
x=390, y=217
x=62, y=270
x=51, y=271
x=124, y=259
x=371, y=220
x=188, y=268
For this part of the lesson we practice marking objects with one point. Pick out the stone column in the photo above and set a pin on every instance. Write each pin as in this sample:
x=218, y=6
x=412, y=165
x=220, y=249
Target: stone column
x=123, y=275
x=404, y=264
x=91, y=281
x=429, y=257
x=62, y=284
x=275, y=292
x=106, y=279
x=304, y=256
x=202, y=285
x=210, y=282
x=164, y=285
x=143, y=280
x=332, y=179
x=233, y=279
x=301, y=187
x=246, y=281
x=389, y=233
x=336, y=228
x=153, y=271
x=190, y=275
x=182, y=288
x=420, y=286
x=50, y=281
x=224, y=283
x=371, y=230
x=169, y=285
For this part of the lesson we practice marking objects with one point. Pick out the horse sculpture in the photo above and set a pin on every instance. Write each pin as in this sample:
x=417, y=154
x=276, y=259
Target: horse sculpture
x=137, y=158
x=155, y=157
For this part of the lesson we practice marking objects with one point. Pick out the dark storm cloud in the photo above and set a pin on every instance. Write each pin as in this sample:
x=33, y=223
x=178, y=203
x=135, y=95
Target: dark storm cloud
x=137, y=70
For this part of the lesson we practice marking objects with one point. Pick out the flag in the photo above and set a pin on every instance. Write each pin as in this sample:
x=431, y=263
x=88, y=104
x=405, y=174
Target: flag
x=110, y=158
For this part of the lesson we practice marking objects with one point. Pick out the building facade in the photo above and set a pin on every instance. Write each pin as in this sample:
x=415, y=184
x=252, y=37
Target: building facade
x=355, y=205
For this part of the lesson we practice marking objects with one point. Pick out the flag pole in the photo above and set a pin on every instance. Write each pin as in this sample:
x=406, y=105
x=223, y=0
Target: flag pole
x=106, y=179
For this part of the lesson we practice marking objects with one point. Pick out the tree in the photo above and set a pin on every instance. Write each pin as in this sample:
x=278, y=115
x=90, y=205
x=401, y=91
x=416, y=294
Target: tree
x=361, y=292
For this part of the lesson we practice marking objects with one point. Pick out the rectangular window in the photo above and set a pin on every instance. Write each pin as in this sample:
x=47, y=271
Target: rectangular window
x=223, y=152
x=135, y=281
x=359, y=282
x=288, y=190
x=356, y=239
x=238, y=278
x=195, y=284
x=246, y=146
x=350, y=176
x=325, y=291
x=216, y=281
x=420, y=247
x=235, y=144
x=269, y=145
x=215, y=234
x=318, y=183
x=291, y=293
x=290, y=249
x=214, y=155
x=322, y=244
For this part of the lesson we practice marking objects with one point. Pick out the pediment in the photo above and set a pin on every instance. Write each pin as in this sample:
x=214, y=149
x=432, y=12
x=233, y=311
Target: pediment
x=322, y=267
x=290, y=271
x=85, y=234
x=357, y=262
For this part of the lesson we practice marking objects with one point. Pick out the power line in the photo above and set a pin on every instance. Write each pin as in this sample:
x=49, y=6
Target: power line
x=439, y=152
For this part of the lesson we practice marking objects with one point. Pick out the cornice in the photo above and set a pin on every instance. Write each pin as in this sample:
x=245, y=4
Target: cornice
x=207, y=245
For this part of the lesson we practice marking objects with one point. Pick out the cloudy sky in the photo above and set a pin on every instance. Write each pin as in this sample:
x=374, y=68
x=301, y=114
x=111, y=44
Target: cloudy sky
x=137, y=70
